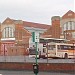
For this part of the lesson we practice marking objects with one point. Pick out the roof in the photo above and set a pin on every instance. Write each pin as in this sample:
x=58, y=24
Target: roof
x=26, y=23
x=53, y=39
x=36, y=25
x=8, y=21
x=69, y=14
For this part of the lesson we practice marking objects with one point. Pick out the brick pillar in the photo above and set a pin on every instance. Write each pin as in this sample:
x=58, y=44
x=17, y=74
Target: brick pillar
x=55, y=26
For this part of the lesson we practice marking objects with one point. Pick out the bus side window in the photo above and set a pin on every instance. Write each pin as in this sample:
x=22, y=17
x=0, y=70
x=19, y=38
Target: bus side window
x=70, y=47
x=49, y=48
x=64, y=47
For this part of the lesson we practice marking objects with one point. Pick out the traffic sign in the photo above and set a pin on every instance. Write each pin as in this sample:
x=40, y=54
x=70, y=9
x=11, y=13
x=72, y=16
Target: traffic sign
x=35, y=37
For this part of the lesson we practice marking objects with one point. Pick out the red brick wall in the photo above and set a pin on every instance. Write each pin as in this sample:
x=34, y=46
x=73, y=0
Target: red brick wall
x=47, y=33
x=42, y=66
x=56, y=28
x=21, y=42
x=68, y=15
x=22, y=37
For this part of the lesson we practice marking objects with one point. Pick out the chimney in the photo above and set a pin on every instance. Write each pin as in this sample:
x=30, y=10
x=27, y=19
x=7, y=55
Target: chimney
x=55, y=26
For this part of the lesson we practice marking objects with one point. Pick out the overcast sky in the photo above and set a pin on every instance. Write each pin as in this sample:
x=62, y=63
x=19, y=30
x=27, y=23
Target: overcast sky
x=39, y=11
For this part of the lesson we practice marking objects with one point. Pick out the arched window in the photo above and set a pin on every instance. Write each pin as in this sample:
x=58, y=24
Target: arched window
x=8, y=32
x=69, y=26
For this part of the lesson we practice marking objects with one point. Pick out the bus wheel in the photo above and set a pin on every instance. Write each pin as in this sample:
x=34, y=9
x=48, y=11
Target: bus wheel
x=66, y=56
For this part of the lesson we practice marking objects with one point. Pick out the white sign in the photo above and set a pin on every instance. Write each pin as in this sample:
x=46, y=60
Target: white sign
x=36, y=37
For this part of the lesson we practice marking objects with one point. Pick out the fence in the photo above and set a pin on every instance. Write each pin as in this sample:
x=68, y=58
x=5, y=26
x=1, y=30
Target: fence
x=32, y=60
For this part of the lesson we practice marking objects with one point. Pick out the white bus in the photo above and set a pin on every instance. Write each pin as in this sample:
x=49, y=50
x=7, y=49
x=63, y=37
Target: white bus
x=60, y=50
x=40, y=52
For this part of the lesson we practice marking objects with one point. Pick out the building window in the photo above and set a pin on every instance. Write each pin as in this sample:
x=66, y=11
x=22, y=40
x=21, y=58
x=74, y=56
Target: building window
x=8, y=32
x=69, y=26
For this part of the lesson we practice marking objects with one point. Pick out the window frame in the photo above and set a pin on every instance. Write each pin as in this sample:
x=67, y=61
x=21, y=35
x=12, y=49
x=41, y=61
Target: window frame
x=8, y=32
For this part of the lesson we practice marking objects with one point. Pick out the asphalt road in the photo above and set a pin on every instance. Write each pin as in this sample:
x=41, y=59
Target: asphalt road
x=6, y=72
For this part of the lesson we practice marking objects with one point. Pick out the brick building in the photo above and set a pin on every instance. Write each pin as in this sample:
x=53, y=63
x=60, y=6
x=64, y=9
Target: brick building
x=68, y=26
x=62, y=27
x=16, y=35
x=55, y=30
x=14, y=38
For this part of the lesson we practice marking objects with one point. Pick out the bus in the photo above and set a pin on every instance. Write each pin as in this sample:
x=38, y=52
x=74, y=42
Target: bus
x=40, y=51
x=60, y=50
x=32, y=52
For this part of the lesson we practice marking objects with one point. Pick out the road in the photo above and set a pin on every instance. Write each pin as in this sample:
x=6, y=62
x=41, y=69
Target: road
x=6, y=72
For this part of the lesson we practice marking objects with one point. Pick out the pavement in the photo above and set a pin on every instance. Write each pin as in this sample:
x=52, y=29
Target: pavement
x=23, y=72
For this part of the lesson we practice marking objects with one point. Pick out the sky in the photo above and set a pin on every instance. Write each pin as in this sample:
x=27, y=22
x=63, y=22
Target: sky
x=38, y=11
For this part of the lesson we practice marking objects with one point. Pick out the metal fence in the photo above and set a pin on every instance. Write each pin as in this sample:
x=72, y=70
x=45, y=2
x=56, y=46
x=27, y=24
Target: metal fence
x=13, y=58
x=31, y=60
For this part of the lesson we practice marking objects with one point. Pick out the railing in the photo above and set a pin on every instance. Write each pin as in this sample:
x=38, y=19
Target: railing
x=13, y=58
x=26, y=59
